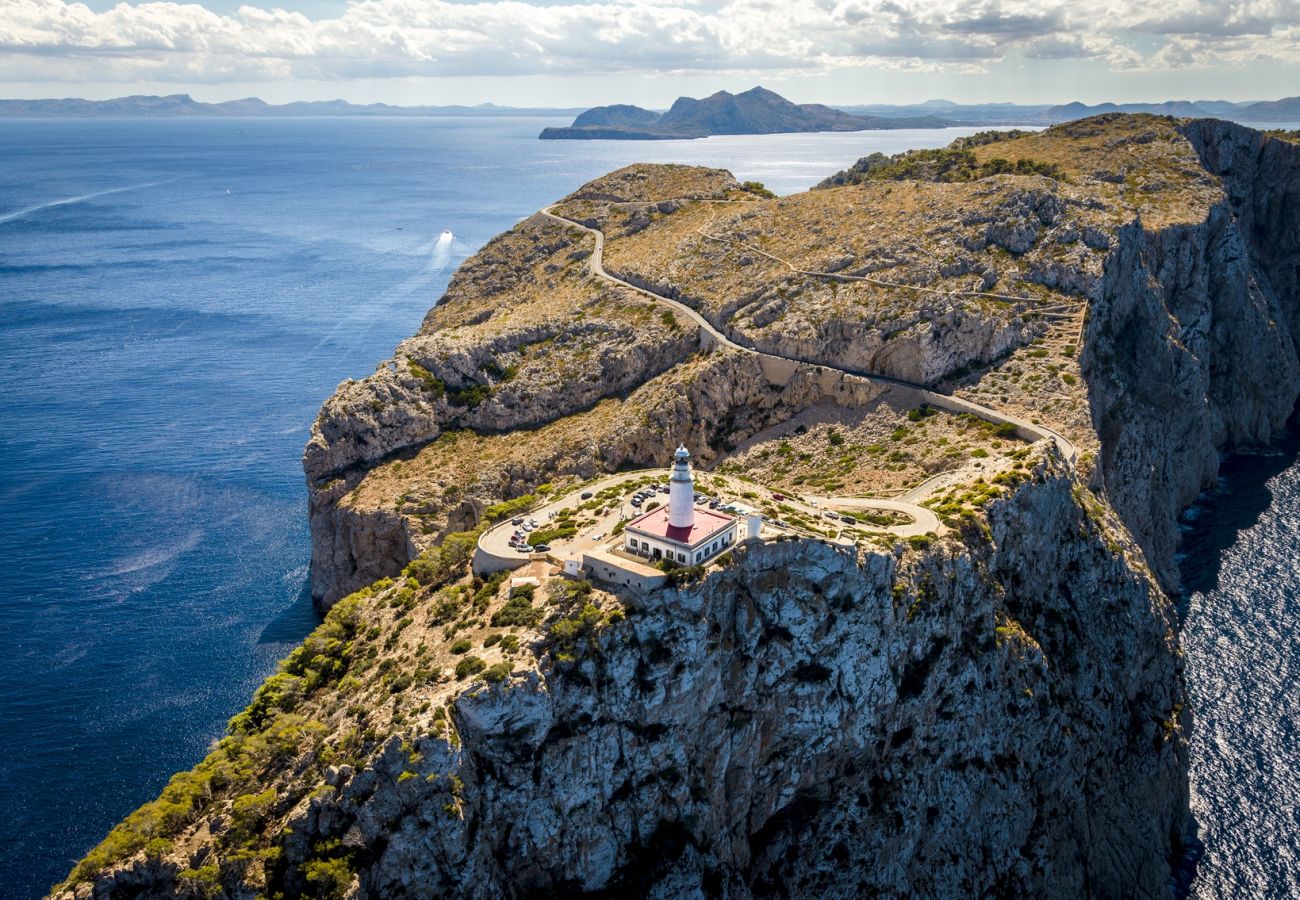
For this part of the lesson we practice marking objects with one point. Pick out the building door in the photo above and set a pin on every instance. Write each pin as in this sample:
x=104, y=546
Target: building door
x=658, y=553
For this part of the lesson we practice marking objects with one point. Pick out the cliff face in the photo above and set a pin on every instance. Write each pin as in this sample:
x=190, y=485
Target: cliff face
x=1190, y=348
x=810, y=724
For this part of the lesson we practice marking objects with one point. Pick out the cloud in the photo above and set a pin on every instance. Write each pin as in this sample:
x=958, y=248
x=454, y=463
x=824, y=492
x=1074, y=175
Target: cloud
x=187, y=43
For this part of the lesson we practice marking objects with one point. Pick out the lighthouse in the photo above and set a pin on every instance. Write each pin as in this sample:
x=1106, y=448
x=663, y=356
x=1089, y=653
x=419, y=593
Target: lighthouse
x=681, y=491
x=681, y=533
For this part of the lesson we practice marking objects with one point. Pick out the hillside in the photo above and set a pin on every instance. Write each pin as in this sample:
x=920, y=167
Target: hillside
x=1015, y=361
x=756, y=111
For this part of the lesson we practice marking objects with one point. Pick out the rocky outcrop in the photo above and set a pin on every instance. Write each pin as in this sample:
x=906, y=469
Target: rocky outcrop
x=1190, y=348
x=814, y=723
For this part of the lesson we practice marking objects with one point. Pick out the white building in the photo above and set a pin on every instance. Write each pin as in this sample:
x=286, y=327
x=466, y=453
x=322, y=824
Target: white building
x=680, y=532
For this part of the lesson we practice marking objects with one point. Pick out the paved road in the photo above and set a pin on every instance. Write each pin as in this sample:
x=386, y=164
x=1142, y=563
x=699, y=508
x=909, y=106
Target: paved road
x=924, y=520
x=943, y=401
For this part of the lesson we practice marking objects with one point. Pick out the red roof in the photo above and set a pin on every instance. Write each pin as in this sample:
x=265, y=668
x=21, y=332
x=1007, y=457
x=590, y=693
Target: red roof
x=707, y=524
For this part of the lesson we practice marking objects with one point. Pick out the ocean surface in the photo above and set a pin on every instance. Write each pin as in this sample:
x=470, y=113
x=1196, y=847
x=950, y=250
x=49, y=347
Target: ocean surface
x=176, y=300
x=1241, y=633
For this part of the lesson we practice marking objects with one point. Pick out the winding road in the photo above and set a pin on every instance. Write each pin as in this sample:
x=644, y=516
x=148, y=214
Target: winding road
x=1025, y=428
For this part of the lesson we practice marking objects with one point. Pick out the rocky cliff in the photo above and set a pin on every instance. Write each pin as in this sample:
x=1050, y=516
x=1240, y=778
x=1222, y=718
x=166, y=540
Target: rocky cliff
x=1190, y=349
x=998, y=709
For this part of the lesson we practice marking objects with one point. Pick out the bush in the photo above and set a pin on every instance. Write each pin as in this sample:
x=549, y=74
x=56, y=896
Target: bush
x=461, y=646
x=498, y=673
x=566, y=633
x=330, y=877
x=470, y=665
x=470, y=396
x=507, y=508
x=758, y=189
x=510, y=642
x=685, y=575
x=247, y=813
x=491, y=640
x=518, y=610
x=546, y=535
x=438, y=565
x=430, y=382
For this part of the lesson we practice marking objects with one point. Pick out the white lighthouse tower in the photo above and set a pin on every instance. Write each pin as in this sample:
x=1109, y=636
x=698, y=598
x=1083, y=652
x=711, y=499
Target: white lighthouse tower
x=681, y=491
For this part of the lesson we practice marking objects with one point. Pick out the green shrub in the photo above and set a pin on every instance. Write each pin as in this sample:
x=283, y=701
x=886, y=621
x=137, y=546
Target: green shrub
x=566, y=633
x=491, y=640
x=438, y=565
x=498, y=673
x=470, y=665
x=510, y=642
x=247, y=813
x=547, y=535
x=460, y=646
x=470, y=396
x=508, y=508
x=517, y=611
x=430, y=382
x=330, y=877
x=685, y=575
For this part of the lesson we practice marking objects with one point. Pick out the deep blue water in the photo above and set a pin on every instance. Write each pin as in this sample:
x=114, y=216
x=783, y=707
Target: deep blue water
x=1241, y=634
x=176, y=300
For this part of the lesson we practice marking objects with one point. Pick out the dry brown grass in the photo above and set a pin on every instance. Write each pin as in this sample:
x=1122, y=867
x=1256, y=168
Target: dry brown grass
x=885, y=449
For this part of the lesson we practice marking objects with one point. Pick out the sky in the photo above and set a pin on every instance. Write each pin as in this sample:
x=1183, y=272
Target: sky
x=648, y=52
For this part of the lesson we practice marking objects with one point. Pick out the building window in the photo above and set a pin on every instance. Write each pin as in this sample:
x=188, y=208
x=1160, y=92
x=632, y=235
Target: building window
x=681, y=557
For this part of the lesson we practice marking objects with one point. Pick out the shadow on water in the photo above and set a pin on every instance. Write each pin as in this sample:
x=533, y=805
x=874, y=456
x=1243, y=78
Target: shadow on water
x=295, y=622
x=1211, y=525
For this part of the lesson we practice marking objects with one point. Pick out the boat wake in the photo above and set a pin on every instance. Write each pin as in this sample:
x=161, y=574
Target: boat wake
x=80, y=198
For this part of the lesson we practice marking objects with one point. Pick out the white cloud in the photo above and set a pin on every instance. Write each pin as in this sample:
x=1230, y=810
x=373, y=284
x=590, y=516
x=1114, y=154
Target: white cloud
x=184, y=42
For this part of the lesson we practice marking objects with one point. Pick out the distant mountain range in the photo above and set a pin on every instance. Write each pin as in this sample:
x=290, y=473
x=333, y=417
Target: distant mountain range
x=757, y=111
x=1287, y=110
x=184, y=106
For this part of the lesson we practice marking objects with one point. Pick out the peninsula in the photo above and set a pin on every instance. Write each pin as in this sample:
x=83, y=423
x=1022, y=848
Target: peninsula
x=756, y=111
x=705, y=542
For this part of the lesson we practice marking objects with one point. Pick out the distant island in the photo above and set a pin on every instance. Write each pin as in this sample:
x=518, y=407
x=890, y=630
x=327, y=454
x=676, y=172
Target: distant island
x=181, y=106
x=756, y=111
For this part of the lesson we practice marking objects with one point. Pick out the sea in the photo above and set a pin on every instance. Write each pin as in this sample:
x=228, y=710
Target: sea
x=1240, y=565
x=177, y=297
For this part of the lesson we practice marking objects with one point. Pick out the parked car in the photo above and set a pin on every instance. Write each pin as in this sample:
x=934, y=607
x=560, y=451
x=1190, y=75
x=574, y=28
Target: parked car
x=542, y=548
x=585, y=495
x=850, y=519
x=714, y=504
x=635, y=501
x=663, y=488
x=517, y=520
x=778, y=496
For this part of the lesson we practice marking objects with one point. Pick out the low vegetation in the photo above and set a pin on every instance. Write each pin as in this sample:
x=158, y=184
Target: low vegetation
x=948, y=164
